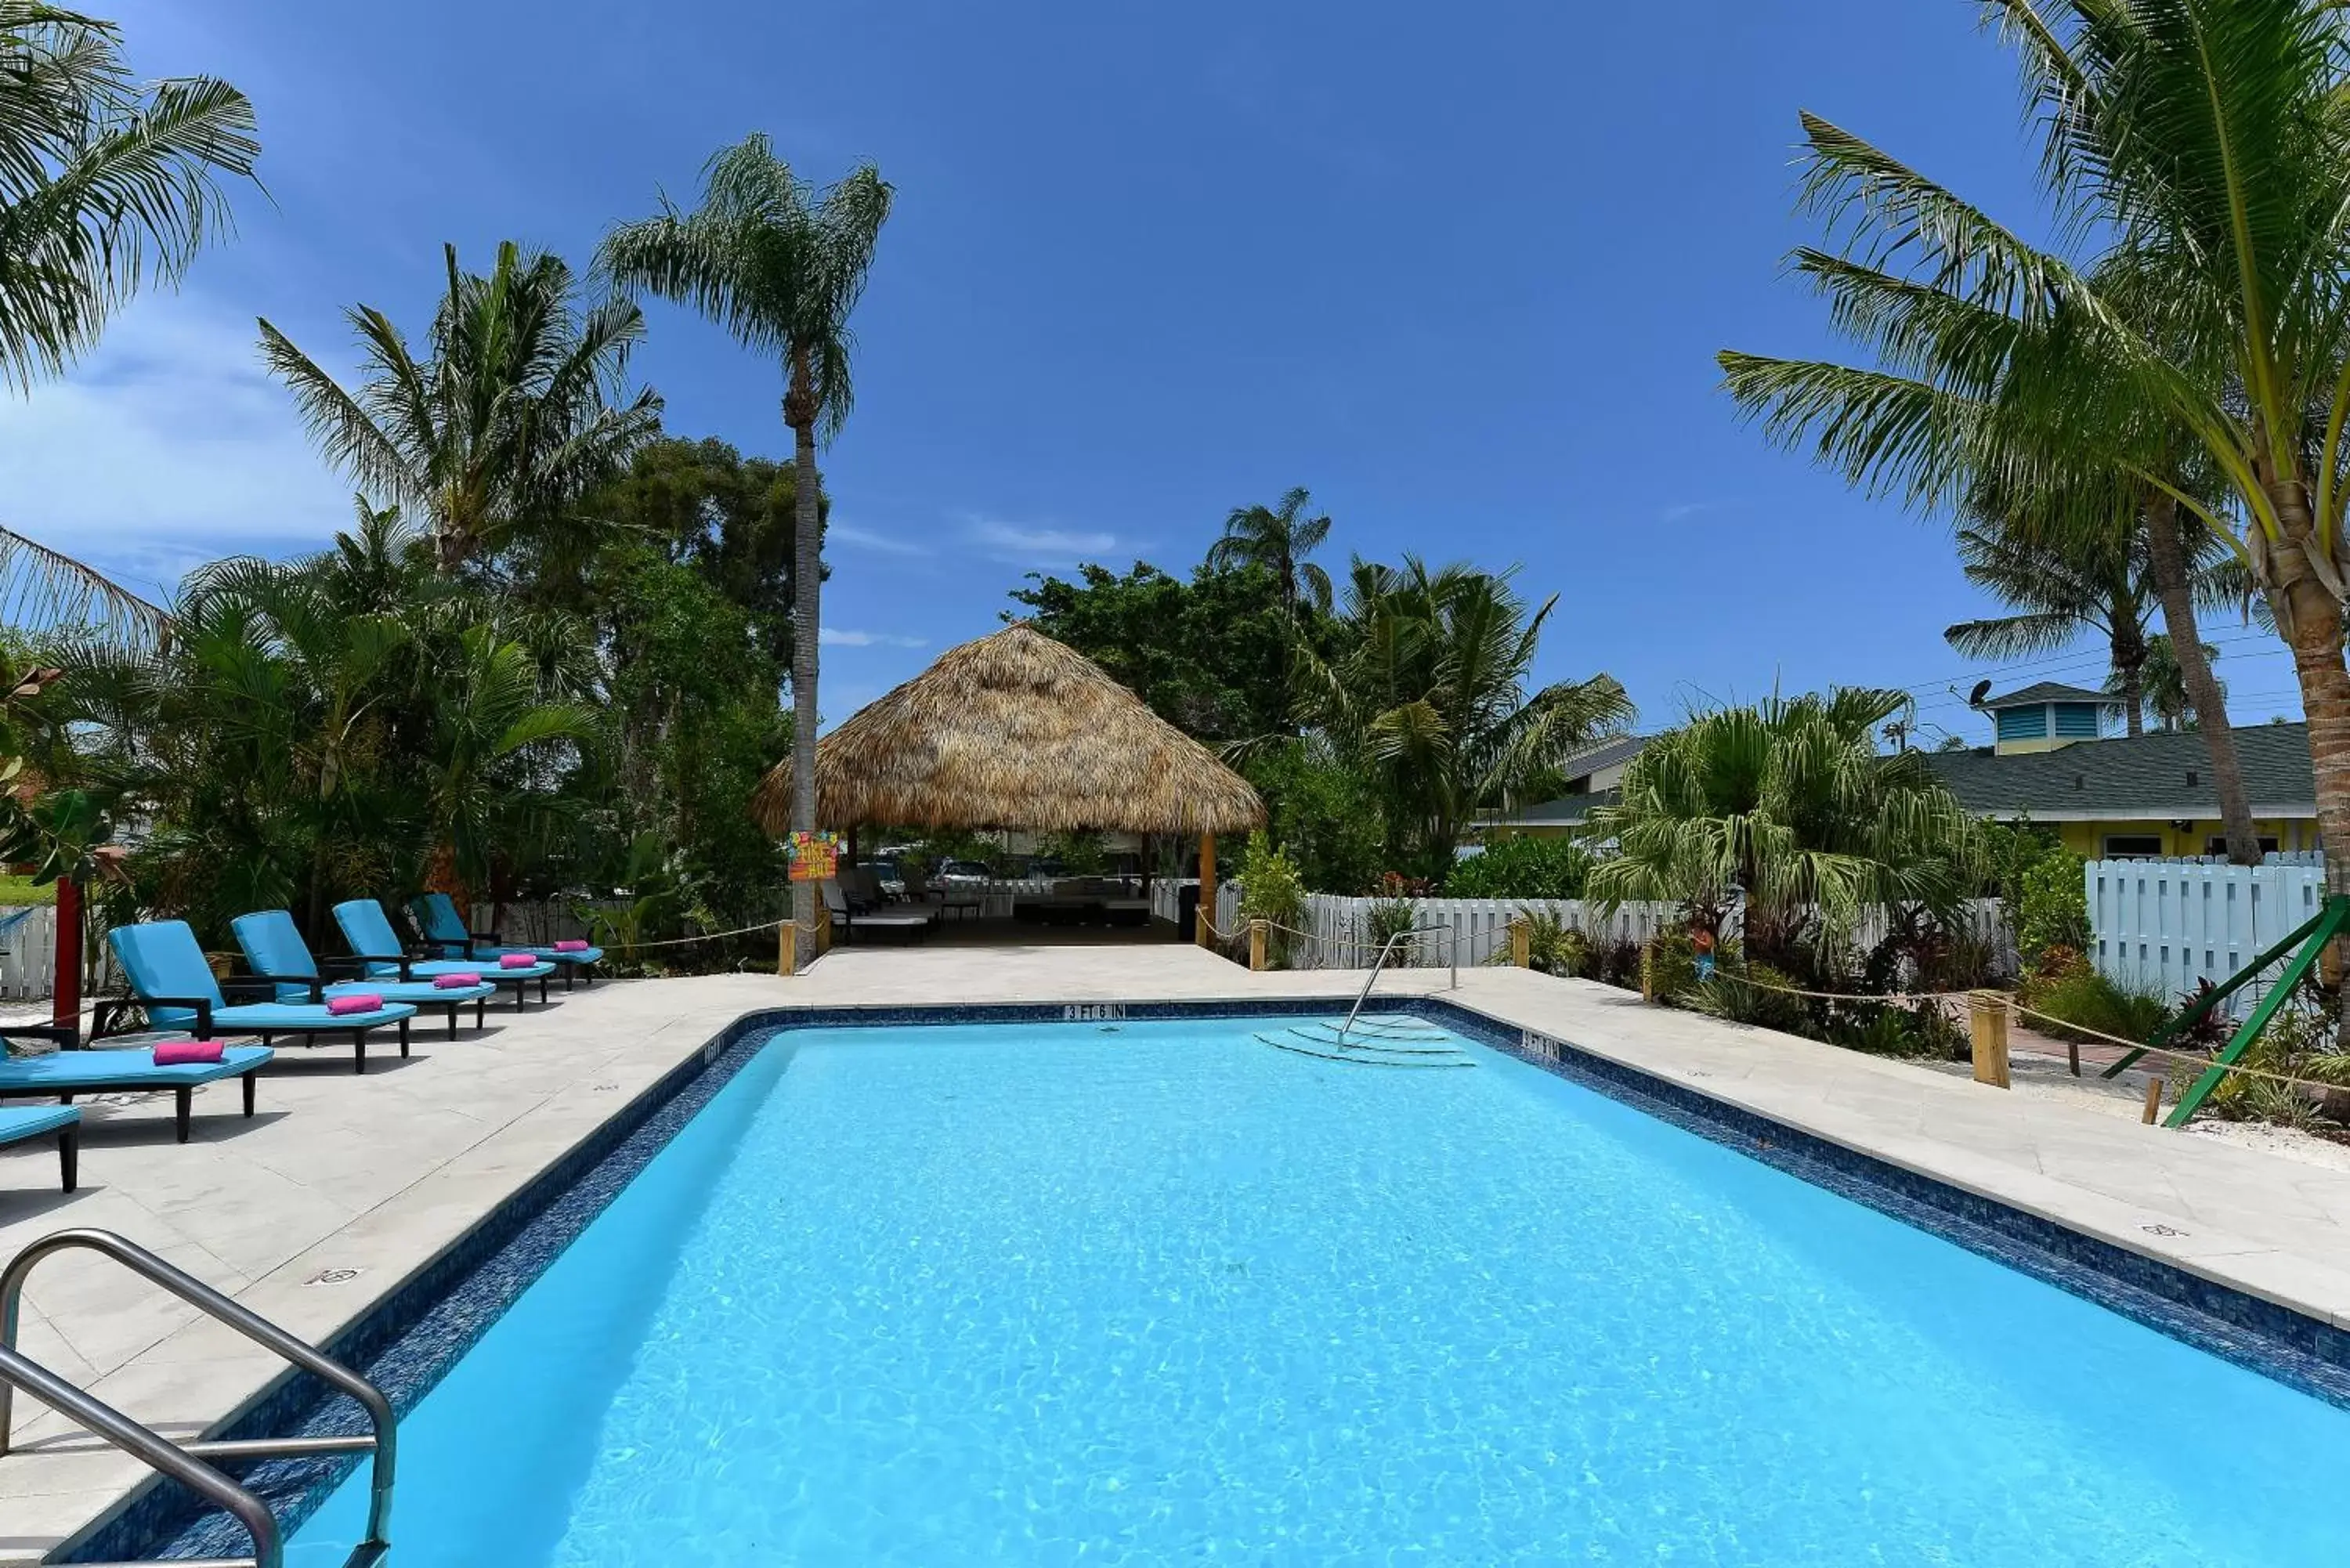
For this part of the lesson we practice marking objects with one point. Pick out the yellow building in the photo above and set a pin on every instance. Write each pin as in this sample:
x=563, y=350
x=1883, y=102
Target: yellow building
x=2116, y=797
x=2053, y=761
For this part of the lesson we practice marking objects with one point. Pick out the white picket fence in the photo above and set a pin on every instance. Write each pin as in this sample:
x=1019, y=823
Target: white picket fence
x=28, y=956
x=2166, y=924
x=1474, y=929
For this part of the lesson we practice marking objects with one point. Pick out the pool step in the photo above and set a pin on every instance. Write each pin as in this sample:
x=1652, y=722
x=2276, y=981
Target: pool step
x=1359, y=1052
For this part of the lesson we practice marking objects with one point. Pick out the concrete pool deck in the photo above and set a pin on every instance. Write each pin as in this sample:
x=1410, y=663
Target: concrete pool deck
x=343, y=1187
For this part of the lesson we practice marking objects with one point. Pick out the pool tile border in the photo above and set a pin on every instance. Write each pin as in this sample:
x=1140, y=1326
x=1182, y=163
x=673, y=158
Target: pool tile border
x=407, y=1341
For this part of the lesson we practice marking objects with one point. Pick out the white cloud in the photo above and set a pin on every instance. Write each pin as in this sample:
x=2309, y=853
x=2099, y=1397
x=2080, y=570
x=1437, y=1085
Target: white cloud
x=841, y=637
x=1031, y=546
x=867, y=539
x=168, y=446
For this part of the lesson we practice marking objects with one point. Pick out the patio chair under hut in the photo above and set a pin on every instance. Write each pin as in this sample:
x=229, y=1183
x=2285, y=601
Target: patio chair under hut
x=1018, y=730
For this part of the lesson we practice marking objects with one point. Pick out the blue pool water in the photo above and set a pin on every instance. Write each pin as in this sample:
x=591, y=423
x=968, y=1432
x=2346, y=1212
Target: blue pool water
x=1158, y=1293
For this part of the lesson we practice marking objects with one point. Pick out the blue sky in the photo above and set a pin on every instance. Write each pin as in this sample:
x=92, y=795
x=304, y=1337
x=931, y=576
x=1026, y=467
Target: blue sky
x=1463, y=280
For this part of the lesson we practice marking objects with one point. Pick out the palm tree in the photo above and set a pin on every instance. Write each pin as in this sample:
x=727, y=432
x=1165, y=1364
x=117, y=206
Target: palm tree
x=2202, y=141
x=105, y=183
x=1790, y=803
x=1425, y=694
x=45, y=591
x=2097, y=579
x=1278, y=538
x=515, y=411
x=2166, y=684
x=782, y=267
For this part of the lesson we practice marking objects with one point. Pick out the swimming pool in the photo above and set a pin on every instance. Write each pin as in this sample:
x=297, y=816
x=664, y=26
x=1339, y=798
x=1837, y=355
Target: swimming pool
x=1153, y=1291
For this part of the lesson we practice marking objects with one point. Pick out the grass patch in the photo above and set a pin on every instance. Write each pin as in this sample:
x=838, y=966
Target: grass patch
x=16, y=892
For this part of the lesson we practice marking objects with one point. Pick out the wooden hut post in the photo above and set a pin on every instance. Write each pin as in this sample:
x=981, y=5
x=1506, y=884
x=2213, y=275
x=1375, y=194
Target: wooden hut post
x=1205, y=925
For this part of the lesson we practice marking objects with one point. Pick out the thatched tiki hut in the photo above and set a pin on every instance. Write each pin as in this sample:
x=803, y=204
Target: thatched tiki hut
x=1018, y=730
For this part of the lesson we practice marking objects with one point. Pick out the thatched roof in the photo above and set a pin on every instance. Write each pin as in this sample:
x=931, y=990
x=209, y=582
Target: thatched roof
x=1015, y=731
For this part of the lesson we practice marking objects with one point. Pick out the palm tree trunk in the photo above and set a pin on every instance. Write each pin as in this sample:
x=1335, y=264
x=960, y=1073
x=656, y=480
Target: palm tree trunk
x=2310, y=618
x=807, y=581
x=2167, y=558
x=2130, y=671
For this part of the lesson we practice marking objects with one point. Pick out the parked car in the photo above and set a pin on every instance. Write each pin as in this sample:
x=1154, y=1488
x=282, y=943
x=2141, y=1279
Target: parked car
x=964, y=873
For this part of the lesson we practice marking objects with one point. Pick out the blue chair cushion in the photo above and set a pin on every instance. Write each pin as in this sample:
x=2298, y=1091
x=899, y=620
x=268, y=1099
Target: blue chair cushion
x=162, y=958
x=437, y=913
x=19, y=1122
x=82, y=1071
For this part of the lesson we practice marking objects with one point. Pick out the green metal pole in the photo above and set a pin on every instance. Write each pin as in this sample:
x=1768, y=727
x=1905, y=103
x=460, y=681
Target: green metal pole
x=2327, y=926
x=2235, y=982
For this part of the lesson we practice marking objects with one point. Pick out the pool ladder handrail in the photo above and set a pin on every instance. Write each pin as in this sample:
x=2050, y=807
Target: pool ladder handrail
x=1380, y=968
x=185, y=1462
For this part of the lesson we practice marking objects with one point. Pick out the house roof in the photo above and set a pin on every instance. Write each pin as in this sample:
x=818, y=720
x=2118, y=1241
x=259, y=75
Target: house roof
x=1603, y=754
x=2159, y=775
x=1566, y=810
x=2047, y=691
x=1569, y=810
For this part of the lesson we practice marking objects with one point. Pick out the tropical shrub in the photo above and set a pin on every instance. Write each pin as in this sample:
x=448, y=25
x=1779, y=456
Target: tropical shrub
x=1323, y=812
x=1554, y=946
x=1520, y=865
x=2051, y=907
x=1393, y=911
x=1271, y=890
x=2081, y=995
x=1423, y=690
x=1789, y=805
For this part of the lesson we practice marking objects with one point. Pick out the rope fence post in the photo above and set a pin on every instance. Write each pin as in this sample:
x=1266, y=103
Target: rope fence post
x=1257, y=935
x=1522, y=943
x=2153, y=1100
x=1987, y=1029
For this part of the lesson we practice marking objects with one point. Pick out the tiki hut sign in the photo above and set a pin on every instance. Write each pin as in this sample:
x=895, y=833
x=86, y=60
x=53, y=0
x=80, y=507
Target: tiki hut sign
x=1015, y=731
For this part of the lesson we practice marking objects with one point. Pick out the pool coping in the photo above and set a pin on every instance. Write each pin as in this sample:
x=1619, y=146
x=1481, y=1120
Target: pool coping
x=414, y=1331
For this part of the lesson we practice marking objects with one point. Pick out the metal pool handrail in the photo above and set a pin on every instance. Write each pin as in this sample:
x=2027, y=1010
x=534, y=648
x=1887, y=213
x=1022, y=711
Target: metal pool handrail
x=1378, y=968
x=183, y=1461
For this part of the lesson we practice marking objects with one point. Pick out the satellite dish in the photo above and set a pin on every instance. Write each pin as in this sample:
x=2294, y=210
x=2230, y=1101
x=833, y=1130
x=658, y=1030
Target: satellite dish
x=1982, y=690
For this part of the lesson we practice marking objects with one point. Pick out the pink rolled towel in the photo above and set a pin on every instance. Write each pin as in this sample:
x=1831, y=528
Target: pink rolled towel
x=187, y=1053
x=571, y=945
x=461, y=980
x=357, y=1001
x=517, y=960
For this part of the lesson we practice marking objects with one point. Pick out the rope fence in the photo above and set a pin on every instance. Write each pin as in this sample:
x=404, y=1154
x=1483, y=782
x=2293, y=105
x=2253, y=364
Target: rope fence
x=1895, y=999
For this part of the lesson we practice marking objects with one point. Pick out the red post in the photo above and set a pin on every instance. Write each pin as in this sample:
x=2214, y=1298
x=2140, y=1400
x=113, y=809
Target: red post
x=66, y=1009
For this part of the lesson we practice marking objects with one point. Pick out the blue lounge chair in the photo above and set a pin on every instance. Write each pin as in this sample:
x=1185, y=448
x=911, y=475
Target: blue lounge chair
x=446, y=936
x=69, y=1072
x=19, y=1122
x=377, y=946
x=274, y=946
x=171, y=981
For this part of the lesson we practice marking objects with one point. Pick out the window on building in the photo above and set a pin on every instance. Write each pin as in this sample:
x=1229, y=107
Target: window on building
x=2023, y=723
x=2133, y=845
x=2076, y=721
x=2217, y=845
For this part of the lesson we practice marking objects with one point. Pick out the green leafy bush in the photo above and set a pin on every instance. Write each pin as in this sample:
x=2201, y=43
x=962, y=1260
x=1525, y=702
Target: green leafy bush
x=2052, y=906
x=1270, y=889
x=1391, y=915
x=1515, y=866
